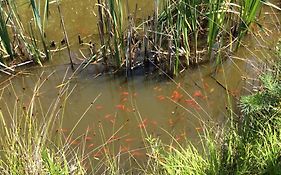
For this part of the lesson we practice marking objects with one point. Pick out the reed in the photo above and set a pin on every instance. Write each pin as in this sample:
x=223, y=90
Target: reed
x=248, y=12
x=24, y=43
x=219, y=22
x=113, y=16
x=40, y=23
x=4, y=35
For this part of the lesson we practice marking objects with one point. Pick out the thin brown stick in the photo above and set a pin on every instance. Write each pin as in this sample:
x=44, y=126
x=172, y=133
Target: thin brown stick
x=65, y=35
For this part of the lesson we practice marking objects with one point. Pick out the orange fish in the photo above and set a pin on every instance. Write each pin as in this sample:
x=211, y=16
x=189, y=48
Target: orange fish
x=74, y=142
x=143, y=124
x=97, y=154
x=112, y=121
x=105, y=150
x=199, y=94
x=193, y=104
x=91, y=145
x=124, y=100
x=99, y=107
x=125, y=93
x=108, y=116
x=190, y=101
x=136, y=153
x=124, y=149
x=121, y=107
x=161, y=97
x=178, y=138
x=206, y=86
x=171, y=122
x=88, y=138
x=176, y=95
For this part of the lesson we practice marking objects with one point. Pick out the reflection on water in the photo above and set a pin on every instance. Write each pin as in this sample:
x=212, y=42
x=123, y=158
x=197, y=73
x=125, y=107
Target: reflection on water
x=142, y=103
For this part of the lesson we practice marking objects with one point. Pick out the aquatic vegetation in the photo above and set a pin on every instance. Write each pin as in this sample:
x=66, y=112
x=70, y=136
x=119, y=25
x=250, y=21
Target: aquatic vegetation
x=18, y=42
x=178, y=34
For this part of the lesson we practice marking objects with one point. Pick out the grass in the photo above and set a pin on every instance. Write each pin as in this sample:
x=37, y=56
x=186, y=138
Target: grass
x=29, y=144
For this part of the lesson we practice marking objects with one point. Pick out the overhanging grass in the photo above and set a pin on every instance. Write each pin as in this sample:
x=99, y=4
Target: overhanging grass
x=29, y=144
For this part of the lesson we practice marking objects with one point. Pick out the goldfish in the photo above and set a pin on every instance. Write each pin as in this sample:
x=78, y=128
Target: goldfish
x=161, y=97
x=74, y=142
x=171, y=122
x=199, y=94
x=91, y=145
x=136, y=153
x=125, y=93
x=143, y=124
x=108, y=116
x=123, y=149
x=88, y=138
x=176, y=95
x=206, y=86
x=99, y=107
x=124, y=99
x=193, y=104
x=121, y=107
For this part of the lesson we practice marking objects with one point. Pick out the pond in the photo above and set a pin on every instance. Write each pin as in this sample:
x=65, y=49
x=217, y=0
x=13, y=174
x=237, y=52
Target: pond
x=126, y=110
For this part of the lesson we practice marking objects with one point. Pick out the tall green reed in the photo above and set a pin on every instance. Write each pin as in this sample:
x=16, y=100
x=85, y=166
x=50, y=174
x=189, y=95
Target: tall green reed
x=4, y=35
x=113, y=17
x=24, y=44
x=248, y=12
x=41, y=22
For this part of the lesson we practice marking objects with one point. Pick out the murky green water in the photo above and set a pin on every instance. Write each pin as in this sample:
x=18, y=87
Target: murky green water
x=143, y=103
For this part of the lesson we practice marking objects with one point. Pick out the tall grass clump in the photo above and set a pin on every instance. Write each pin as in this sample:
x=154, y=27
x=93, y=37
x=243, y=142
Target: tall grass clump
x=29, y=143
x=40, y=23
x=187, y=29
x=5, y=38
x=20, y=42
x=250, y=145
x=111, y=30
